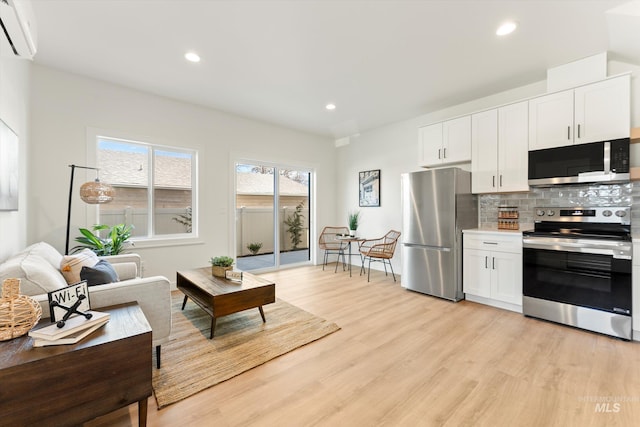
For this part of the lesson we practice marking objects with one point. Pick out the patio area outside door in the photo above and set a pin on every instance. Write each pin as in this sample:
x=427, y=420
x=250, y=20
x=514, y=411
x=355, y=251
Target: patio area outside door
x=272, y=216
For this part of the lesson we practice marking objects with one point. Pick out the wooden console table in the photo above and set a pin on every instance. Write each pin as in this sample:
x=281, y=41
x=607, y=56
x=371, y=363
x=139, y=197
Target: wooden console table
x=66, y=385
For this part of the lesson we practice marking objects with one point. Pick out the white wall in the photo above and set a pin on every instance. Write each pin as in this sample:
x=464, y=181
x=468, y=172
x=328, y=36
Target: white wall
x=63, y=105
x=394, y=150
x=14, y=111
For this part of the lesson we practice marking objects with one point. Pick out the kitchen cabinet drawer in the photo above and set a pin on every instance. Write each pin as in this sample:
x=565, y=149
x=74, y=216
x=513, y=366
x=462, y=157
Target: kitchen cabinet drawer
x=511, y=242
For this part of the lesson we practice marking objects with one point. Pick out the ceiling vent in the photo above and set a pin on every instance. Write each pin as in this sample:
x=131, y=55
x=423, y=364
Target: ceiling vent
x=17, y=24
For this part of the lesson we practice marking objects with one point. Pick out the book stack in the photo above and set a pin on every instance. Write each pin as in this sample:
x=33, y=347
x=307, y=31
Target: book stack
x=75, y=329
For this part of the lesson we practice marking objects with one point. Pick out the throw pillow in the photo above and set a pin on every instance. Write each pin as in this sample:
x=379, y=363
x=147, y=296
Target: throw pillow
x=99, y=274
x=71, y=265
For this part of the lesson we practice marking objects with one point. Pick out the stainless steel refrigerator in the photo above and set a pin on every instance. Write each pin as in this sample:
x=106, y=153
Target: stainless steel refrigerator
x=436, y=206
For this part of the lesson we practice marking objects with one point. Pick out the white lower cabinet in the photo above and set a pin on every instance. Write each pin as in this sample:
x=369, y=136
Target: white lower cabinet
x=492, y=268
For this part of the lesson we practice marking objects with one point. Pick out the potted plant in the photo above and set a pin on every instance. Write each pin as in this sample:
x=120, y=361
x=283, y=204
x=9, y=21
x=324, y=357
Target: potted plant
x=353, y=222
x=254, y=248
x=295, y=225
x=116, y=240
x=220, y=265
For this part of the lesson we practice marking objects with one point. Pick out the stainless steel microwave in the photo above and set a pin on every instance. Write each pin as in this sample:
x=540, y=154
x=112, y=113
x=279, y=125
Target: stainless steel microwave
x=605, y=161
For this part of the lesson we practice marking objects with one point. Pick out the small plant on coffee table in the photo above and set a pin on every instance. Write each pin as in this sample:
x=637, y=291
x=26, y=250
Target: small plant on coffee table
x=222, y=261
x=220, y=264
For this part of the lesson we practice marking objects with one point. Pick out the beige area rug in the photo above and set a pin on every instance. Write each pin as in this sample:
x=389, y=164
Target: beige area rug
x=191, y=362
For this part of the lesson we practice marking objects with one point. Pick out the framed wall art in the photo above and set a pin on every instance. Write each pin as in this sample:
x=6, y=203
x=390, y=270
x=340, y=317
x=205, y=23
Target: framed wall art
x=369, y=184
x=8, y=168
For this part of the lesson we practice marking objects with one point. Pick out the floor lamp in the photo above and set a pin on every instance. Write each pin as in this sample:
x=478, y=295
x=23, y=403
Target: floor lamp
x=92, y=192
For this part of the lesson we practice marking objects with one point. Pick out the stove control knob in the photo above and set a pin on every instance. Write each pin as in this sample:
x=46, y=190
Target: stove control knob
x=607, y=213
x=540, y=212
x=550, y=213
x=621, y=214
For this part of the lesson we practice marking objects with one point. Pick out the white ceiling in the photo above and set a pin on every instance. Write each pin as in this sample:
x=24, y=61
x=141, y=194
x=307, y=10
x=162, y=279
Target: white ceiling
x=282, y=61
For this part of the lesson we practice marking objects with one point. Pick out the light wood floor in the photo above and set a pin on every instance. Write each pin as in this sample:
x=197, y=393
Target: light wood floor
x=406, y=359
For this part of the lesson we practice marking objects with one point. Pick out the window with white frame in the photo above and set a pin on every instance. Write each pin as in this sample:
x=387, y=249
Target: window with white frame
x=155, y=187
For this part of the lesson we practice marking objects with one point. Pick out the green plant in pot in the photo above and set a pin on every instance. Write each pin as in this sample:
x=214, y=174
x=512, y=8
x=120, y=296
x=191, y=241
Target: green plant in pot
x=295, y=225
x=354, y=218
x=115, y=242
x=220, y=265
x=254, y=248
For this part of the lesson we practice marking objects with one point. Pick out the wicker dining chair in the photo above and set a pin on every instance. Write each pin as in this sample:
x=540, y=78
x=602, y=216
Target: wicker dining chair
x=379, y=250
x=331, y=245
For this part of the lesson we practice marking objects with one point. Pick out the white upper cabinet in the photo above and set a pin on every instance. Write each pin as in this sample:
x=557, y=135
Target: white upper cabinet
x=589, y=113
x=551, y=120
x=484, y=152
x=513, y=147
x=603, y=110
x=456, y=140
x=430, y=145
x=499, y=143
x=446, y=142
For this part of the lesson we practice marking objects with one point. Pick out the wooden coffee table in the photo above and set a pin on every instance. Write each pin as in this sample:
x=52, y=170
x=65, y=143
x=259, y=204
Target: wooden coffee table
x=219, y=297
x=66, y=385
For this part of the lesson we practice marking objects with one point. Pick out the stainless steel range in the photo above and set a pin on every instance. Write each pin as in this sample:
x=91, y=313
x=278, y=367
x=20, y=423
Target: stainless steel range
x=577, y=268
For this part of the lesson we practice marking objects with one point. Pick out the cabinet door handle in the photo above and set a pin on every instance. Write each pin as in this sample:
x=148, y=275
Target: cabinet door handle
x=501, y=180
x=493, y=180
x=568, y=132
x=493, y=263
x=578, y=131
x=486, y=261
x=439, y=149
x=489, y=243
x=444, y=153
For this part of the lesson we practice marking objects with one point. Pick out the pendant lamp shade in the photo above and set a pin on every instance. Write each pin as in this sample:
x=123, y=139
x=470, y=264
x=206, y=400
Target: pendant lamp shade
x=96, y=192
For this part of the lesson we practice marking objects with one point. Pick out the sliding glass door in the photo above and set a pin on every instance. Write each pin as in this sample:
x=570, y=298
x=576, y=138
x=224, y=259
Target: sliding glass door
x=272, y=216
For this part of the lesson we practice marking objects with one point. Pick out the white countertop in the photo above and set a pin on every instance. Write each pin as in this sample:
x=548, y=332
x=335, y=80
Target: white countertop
x=523, y=227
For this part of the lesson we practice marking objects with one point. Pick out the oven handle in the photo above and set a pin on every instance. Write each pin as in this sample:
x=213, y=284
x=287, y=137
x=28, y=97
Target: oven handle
x=618, y=253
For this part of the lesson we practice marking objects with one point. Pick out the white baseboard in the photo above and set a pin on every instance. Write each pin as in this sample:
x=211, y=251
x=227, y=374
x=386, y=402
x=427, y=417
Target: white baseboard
x=494, y=303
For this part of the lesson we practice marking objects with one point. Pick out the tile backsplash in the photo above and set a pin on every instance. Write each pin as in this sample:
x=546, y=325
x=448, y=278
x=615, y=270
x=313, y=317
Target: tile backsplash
x=570, y=195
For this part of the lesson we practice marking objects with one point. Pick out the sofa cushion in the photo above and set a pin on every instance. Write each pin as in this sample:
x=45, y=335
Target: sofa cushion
x=71, y=265
x=36, y=275
x=126, y=270
x=99, y=274
x=47, y=252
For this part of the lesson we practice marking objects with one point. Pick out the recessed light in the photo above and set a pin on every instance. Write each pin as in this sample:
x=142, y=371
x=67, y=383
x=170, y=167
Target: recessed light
x=506, y=28
x=330, y=107
x=192, y=56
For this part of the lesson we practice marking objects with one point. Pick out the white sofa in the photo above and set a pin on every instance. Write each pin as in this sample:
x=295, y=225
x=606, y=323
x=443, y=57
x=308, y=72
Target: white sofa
x=38, y=268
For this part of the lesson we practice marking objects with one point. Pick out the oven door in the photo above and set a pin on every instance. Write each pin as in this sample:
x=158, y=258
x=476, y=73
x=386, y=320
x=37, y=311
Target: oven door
x=588, y=274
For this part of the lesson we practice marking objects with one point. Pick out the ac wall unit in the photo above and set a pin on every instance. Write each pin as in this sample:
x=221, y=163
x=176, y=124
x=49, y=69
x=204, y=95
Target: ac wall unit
x=18, y=25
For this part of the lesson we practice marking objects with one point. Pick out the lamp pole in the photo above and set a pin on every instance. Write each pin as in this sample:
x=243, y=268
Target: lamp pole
x=73, y=168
